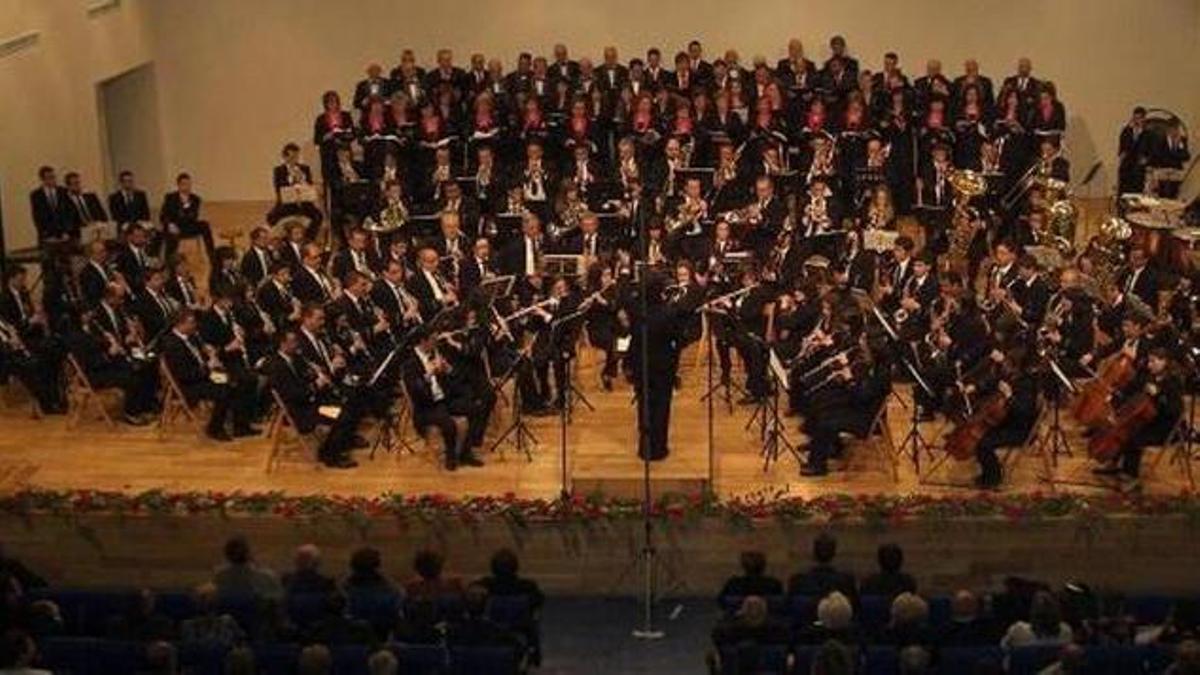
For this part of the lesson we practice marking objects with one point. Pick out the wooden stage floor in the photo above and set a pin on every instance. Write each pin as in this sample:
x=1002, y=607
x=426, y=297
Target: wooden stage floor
x=45, y=454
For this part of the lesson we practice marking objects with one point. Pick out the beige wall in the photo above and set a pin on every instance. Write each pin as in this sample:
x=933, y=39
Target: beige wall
x=236, y=79
x=48, y=100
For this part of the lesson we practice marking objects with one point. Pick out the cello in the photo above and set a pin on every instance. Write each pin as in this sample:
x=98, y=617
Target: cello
x=1092, y=407
x=964, y=438
x=1136, y=413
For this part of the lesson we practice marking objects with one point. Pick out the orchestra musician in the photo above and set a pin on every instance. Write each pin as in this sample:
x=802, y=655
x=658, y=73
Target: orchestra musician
x=846, y=401
x=201, y=376
x=293, y=174
x=302, y=389
x=460, y=421
x=180, y=217
x=1159, y=389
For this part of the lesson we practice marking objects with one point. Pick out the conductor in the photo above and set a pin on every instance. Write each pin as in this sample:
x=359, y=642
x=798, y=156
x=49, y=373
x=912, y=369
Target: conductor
x=658, y=332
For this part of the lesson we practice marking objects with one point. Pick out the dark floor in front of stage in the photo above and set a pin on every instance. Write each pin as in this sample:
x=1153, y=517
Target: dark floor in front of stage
x=591, y=636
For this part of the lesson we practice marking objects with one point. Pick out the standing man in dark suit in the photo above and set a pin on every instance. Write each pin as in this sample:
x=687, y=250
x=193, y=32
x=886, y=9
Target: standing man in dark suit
x=133, y=259
x=1024, y=83
x=85, y=207
x=180, y=216
x=193, y=366
x=128, y=204
x=563, y=69
x=48, y=202
x=292, y=174
x=374, y=86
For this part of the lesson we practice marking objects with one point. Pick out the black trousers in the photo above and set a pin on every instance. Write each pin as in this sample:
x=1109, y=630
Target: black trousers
x=138, y=382
x=654, y=415
x=232, y=400
x=199, y=228
x=755, y=357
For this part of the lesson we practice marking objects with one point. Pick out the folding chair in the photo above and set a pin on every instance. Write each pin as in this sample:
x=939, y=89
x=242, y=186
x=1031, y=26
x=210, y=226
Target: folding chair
x=1177, y=447
x=279, y=429
x=81, y=395
x=16, y=386
x=174, y=402
x=885, y=446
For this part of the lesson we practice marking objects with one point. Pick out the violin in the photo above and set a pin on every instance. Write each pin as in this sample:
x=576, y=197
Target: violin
x=1136, y=413
x=1092, y=406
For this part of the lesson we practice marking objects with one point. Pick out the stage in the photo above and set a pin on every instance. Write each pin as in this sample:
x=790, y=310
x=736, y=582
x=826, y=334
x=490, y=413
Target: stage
x=600, y=443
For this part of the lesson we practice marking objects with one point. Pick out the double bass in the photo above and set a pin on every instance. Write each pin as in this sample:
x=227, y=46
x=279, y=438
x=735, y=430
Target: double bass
x=1092, y=407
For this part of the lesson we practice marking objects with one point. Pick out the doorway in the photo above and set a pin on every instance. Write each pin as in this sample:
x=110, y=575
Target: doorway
x=130, y=134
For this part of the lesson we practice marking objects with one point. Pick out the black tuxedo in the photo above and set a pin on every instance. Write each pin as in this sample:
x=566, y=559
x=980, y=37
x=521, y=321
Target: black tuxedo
x=50, y=213
x=567, y=71
x=594, y=244
x=471, y=275
x=84, y=209
x=186, y=219
x=1142, y=283
x=514, y=258
x=311, y=286
x=1033, y=299
x=420, y=286
x=344, y=262
x=185, y=359
x=291, y=379
x=155, y=313
x=276, y=302
x=368, y=88
x=92, y=282
x=255, y=265
x=612, y=79
x=129, y=208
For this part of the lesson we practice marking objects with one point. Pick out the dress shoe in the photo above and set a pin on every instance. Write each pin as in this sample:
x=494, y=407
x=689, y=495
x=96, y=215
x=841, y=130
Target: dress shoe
x=359, y=442
x=219, y=435
x=813, y=471
x=134, y=420
x=243, y=432
x=544, y=411
x=606, y=382
x=983, y=483
x=469, y=459
x=341, y=463
x=750, y=399
x=1107, y=470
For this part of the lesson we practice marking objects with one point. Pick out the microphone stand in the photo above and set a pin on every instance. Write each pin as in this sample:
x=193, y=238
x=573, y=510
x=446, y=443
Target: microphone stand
x=649, y=553
x=569, y=390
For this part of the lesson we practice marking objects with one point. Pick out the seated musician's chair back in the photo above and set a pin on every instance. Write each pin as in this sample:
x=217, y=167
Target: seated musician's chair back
x=282, y=432
x=81, y=395
x=174, y=402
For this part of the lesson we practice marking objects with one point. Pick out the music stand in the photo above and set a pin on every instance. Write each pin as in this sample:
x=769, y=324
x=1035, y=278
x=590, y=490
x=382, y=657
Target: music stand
x=775, y=441
x=562, y=265
x=557, y=328
x=913, y=442
x=518, y=432
x=725, y=386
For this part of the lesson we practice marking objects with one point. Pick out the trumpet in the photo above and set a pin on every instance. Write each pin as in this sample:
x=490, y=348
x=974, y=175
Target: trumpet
x=750, y=214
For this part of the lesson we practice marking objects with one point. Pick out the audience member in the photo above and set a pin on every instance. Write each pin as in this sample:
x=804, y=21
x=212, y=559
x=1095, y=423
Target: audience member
x=336, y=627
x=752, y=623
x=210, y=626
x=305, y=576
x=914, y=660
x=753, y=580
x=18, y=653
x=833, y=658
x=1071, y=659
x=1187, y=659
x=966, y=626
x=240, y=661
x=365, y=574
x=241, y=577
x=383, y=662
x=506, y=582
x=17, y=571
x=419, y=625
x=822, y=578
x=1044, y=626
x=429, y=582
x=315, y=660
x=141, y=621
x=890, y=581
x=1183, y=623
x=474, y=629
x=909, y=623
x=161, y=658
x=835, y=621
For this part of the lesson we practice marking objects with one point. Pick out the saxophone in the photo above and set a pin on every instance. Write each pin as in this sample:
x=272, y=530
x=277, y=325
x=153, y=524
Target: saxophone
x=391, y=218
x=688, y=217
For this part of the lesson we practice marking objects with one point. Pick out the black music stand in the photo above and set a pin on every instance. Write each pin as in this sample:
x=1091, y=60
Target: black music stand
x=571, y=392
x=775, y=441
x=913, y=443
x=518, y=432
x=723, y=387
